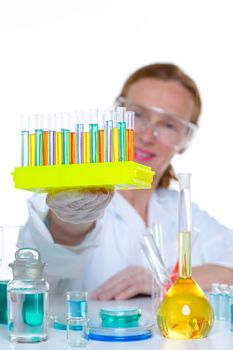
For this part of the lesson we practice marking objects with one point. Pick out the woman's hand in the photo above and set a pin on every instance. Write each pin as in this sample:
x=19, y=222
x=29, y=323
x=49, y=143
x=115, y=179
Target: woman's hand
x=126, y=284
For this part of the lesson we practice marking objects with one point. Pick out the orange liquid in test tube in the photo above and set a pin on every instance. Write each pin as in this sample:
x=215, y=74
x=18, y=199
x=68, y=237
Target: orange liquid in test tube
x=127, y=144
x=32, y=149
x=101, y=146
x=72, y=147
x=45, y=148
x=130, y=144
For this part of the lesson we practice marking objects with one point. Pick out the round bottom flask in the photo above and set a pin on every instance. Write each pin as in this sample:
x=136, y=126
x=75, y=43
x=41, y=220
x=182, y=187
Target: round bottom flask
x=185, y=313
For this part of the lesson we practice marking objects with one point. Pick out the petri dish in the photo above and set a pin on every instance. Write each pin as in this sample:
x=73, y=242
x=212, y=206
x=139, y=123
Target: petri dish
x=120, y=317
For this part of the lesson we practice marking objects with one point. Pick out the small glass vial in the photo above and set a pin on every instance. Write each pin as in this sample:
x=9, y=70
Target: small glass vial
x=224, y=302
x=231, y=307
x=27, y=298
x=214, y=296
x=78, y=332
x=76, y=304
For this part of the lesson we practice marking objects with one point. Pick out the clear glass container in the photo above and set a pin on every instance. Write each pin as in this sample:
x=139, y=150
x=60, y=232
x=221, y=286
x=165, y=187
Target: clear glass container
x=224, y=297
x=214, y=298
x=27, y=298
x=78, y=332
x=185, y=312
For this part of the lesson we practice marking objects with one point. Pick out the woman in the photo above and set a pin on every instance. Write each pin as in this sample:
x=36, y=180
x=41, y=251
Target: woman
x=102, y=254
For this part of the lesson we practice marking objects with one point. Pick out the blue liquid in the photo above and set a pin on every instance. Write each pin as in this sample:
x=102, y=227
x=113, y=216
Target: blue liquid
x=77, y=308
x=224, y=307
x=214, y=301
x=3, y=302
x=33, y=309
x=231, y=317
x=27, y=318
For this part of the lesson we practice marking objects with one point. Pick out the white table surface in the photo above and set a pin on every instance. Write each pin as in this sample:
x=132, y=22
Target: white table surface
x=220, y=338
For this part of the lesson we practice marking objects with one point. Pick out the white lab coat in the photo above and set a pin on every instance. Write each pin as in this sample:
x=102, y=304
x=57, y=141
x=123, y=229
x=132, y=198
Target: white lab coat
x=115, y=242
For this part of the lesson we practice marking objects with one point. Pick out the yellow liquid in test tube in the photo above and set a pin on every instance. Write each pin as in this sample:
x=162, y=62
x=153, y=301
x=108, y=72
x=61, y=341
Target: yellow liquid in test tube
x=115, y=145
x=32, y=149
x=87, y=148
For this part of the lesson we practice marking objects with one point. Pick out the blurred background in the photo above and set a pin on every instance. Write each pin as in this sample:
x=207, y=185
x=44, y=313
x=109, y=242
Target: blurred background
x=62, y=55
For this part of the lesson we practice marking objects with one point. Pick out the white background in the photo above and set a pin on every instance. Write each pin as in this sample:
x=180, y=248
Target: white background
x=61, y=55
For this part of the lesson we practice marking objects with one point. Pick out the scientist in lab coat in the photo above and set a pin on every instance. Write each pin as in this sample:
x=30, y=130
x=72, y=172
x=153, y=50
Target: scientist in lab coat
x=91, y=240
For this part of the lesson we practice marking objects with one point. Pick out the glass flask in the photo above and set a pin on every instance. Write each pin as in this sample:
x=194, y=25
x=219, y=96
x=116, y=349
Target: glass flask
x=27, y=298
x=185, y=312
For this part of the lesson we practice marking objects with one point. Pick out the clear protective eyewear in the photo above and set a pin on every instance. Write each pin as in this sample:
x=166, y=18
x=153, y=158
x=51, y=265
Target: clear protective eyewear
x=167, y=128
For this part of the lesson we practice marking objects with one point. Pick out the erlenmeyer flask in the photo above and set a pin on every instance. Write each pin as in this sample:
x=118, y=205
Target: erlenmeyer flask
x=185, y=313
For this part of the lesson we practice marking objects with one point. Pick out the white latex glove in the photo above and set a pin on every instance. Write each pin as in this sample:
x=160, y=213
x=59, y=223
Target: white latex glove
x=78, y=207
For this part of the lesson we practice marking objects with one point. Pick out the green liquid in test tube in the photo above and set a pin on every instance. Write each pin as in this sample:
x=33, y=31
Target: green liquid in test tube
x=94, y=142
x=65, y=146
x=39, y=139
x=122, y=140
x=39, y=146
x=121, y=125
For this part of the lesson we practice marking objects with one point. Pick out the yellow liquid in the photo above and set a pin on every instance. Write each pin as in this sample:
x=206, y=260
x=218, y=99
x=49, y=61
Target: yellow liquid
x=185, y=313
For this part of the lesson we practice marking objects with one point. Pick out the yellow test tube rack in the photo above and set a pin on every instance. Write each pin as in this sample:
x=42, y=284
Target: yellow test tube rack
x=118, y=176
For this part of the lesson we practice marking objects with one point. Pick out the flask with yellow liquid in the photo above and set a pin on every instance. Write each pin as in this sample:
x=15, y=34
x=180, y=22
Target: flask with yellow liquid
x=185, y=313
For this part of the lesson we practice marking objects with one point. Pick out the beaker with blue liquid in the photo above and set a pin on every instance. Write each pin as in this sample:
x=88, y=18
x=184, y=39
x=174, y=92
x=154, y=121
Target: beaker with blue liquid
x=27, y=298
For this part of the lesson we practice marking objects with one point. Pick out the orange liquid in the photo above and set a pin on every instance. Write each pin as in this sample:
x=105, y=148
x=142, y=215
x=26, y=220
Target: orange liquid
x=130, y=144
x=45, y=148
x=72, y=147
x=101, y=146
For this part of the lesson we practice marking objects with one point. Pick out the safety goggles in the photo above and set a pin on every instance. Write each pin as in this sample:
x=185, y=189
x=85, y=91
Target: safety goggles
x=167, y=128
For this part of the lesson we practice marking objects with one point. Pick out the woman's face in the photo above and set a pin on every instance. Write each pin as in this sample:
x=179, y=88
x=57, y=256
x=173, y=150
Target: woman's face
x=173, y=99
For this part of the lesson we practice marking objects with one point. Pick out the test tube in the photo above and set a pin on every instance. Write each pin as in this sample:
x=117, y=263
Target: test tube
x=224, y=302
x=59, y=120
x=93, y=127
x=72, y=123
x=115, y=138
x=101, y=139
x=52, y=139
x=45, y=153
x=79, y=121
x=108, y=129
x=214, y=299
x=65, y=130
x=87, y=142
x=32, y=142
x=39, y=140
x=121, y=125
x=129, y=116
x=25, y=140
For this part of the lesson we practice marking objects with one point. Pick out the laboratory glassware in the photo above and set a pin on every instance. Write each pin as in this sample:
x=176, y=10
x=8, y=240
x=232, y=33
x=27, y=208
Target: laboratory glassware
x=27, y=298
x=185, y=312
